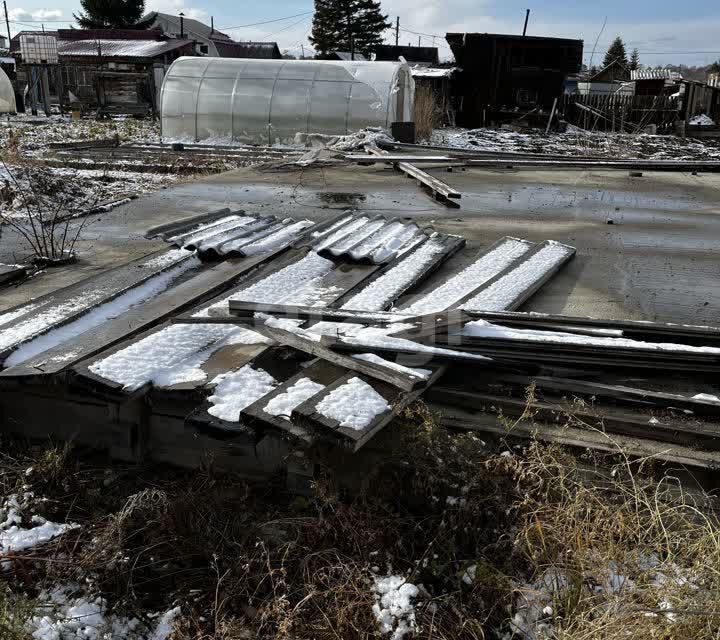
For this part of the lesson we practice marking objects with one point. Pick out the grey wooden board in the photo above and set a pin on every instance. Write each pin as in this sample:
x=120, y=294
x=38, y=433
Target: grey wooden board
x=11, y=272
x=317, y=314
x=185, y=224
x=111, y=284
x=319, y=371
x=316, y=348
x=306, y=414
x=464, y=420
x=188, y=293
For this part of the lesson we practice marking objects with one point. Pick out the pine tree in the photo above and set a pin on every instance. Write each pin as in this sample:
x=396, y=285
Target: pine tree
x=107, y=14
x=616, y=59
x=347, y=25
x=634, y=60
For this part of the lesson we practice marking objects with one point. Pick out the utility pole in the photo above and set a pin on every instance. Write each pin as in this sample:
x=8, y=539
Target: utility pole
x=527, y=17
x=7, y=22
x=397, y=29
x=302, y=48
x=212, y=25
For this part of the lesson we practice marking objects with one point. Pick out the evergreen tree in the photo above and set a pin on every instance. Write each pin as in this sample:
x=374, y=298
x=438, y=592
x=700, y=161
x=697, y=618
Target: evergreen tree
x=616, y=59
x=714, y=67
x=634, y=60
x=347, y=25
x=109, y=14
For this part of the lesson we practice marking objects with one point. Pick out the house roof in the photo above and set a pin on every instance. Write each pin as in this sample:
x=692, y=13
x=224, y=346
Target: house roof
x=258, y=50
x=121, y=48
x=110, y=34
x=389, y=52
x=655, y=74
x=193, y=28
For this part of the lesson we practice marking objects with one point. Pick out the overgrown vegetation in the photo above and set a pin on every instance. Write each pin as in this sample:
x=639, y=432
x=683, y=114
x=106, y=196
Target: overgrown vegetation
x=531, y=542
x=427, y=113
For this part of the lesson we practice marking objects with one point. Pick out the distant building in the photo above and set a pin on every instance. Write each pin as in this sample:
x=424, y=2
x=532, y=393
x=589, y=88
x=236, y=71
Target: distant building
x=391, y=53
x=3, y=42
x=505, y=76
x=208, y=40
x=346, y=56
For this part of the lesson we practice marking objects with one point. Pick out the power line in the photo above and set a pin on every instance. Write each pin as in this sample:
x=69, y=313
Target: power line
x=255, y=24
x=290, y=26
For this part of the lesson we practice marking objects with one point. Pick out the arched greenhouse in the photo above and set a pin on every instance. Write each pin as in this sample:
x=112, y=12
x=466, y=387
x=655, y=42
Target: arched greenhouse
x=227, y=100
x=7, y=94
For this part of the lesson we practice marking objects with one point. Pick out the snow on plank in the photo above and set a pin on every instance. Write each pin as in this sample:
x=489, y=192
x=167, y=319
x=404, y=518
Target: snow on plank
x=206, y=282
x=515, y=287
x=352, y=409
x=26, y=322
x=486, y=266
x=176, y=354
x=274, y=410
x=405, y=273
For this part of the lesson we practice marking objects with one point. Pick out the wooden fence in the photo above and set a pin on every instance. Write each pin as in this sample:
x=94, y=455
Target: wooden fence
x=613, y=112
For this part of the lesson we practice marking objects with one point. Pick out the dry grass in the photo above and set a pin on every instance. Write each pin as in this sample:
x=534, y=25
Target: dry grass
x=254, y=562
x=427, y=113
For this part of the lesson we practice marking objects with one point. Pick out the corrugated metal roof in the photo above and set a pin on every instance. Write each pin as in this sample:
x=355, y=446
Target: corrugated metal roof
x=120, y=48
x=257, y=50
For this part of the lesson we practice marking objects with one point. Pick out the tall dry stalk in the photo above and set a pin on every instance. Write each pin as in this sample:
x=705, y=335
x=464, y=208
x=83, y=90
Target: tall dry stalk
x=427, y=112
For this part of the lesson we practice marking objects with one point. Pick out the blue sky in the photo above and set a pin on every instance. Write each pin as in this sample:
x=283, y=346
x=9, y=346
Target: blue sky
x=663, y=31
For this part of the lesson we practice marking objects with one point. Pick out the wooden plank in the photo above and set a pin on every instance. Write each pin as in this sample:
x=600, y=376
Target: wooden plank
x=461, y=419
x=319, y=371
x=93, y=292
x=242, y=309
x=623, y=393
x=316, y=348
x=440, y=190
x=307, y=415
x=682, y=432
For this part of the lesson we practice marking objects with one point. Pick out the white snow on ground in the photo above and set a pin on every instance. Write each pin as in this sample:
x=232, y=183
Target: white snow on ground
x=283, y=404
x=342, y=232
x=354, y=405
x=484, y=329
x=579, y=143
x=470, y=278
x=15, y=537
x=65, y=613
x=408, y=371
x=380, y=292
x=703, y=120
x=236, y=390
x=394, y=609
x=532, y=618
x=176, y=354
x=499, y=295
x=116, y=307
x=278, y=239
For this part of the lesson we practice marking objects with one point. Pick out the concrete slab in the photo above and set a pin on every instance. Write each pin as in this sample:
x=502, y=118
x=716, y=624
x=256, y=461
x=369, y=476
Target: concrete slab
x=648, y=247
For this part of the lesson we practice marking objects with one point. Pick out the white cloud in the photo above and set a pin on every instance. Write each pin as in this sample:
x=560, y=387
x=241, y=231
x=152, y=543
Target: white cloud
x=175, y=7
x=19, y=14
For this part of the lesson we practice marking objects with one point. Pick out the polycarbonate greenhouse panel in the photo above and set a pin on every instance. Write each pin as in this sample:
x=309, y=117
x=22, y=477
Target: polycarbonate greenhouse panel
x=7, y=95
x=226, y=100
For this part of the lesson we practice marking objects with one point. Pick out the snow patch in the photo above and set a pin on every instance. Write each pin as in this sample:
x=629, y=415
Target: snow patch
x=394, y=609
x=354, y=405
x=236, y=390
x=283, y=404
